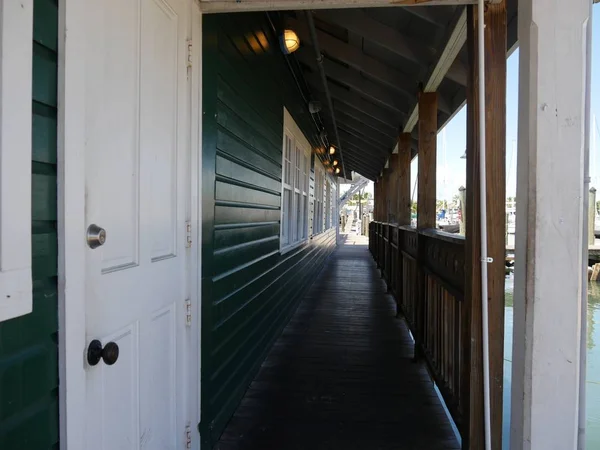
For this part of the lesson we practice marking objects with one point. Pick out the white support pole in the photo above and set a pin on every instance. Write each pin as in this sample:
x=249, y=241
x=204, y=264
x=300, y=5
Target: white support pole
x=551, y=238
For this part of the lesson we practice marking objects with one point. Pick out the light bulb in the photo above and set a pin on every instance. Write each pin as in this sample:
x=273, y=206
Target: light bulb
x=289, y=41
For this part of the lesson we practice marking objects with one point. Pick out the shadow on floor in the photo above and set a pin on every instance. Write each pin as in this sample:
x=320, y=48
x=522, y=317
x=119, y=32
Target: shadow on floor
x=341, y=375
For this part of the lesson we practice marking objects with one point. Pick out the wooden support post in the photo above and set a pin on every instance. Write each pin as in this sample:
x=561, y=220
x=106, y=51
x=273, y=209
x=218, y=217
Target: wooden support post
x=403, y=207
x=385, y=195
x=426, y=180
x=376, y=199
x=495, y=108
x=462, y=197
x=393, y=188
x=403, y=170
x=548, y=371
x=427, y=159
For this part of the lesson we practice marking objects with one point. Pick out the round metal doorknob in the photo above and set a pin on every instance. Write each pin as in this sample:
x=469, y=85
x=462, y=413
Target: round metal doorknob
x=109, y=353
x=95, y=236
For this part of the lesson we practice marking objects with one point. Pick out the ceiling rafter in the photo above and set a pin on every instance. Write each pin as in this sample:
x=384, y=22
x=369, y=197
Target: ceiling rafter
x=365, y=159
x=356, y=101
x=351, y=133
x=354, y=57
x=393, y=40
x=358, y=155
x=428, y=14
x=350, y=110
x=374, y=133
x=357, y=164
x=374, y=92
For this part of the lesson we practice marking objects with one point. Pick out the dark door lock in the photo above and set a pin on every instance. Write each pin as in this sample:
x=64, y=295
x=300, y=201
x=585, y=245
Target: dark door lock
x=109, y=354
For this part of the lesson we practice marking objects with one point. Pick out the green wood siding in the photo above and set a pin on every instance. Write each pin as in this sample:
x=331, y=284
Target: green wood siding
x=28, y=345
x=249, y=290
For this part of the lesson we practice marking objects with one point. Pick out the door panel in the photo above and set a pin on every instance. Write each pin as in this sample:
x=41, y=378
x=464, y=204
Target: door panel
x=137, y=189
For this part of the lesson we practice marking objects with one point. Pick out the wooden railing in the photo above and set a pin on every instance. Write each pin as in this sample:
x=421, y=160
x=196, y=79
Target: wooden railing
x=425, y=270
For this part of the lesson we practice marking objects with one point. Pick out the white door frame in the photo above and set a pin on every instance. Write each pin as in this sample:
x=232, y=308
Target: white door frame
x=71, y=222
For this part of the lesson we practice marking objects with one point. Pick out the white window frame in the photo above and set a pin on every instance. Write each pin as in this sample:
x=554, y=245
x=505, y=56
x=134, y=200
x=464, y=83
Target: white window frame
x=16, y=37
x=295, y=182
x=318, y=220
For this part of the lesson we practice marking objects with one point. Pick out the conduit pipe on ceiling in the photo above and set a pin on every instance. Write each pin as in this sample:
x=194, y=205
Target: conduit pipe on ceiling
x=319, y=56
x=485, y=259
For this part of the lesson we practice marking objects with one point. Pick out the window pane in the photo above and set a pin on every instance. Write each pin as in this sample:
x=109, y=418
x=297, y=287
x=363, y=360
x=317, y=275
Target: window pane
x=297, y=216
x=285, y=219
x=287, y=160
x=299, y=154
x=305, y=217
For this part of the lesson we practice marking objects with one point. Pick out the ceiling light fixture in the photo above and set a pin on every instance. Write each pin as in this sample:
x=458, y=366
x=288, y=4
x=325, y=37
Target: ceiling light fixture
x=289, y=41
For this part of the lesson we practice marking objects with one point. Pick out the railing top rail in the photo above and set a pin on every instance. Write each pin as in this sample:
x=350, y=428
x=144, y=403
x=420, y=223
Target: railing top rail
x=407, y=228
x=443, y=235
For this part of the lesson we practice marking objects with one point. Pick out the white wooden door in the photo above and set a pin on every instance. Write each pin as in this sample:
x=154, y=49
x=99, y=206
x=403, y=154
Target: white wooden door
x=137, y=190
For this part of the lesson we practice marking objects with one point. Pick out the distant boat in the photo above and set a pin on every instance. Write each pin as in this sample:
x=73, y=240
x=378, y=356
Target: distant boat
x=450, y=227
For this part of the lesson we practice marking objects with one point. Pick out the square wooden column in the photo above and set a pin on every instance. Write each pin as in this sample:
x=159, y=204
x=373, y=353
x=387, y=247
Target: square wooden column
x=403, y=207
x=428, y=125
x=495, y=107
x=376, y=200
x=393, y=189
x=385, y=201
x=548, y=375
x=426, y=180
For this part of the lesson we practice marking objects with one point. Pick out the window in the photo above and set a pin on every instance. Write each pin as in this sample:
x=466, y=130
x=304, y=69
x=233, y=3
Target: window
x=332, y=205
x=319, y=181
x=295, y=183
x=16, y=26
x=325, y=215
x=327, y=205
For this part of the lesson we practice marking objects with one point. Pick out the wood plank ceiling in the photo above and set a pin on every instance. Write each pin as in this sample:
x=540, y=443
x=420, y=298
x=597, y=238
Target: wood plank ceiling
x=375, y=61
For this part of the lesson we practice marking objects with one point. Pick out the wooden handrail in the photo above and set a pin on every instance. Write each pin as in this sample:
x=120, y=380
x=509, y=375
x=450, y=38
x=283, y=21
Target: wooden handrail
x=425, y=270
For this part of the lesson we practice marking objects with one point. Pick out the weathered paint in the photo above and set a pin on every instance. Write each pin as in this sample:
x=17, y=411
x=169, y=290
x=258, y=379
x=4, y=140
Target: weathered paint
x=249, y=290
x=28, y=344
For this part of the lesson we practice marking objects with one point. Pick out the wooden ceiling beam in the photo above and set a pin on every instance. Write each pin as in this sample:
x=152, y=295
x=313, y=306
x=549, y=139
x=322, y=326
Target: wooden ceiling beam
x=354, y=57
x=393, y=40
x=358, y=164
x=365, y=141
x=376, y=134
x=377, y=94
x=368, y=158
x=427, y=14
x=374, y=111
x=224, y=6
x=384, y=127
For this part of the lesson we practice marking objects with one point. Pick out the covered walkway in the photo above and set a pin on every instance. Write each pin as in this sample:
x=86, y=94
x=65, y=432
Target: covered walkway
x=341, y=375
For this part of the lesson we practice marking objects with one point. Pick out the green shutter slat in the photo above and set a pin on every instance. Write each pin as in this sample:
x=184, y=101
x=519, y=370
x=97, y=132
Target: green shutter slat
x=44, y=197
x=44, y=134
x=45, y=31
x=45, y=76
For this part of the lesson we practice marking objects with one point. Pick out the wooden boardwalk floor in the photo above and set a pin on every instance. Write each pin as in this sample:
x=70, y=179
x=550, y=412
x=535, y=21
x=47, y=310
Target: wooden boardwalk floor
x=341, y=375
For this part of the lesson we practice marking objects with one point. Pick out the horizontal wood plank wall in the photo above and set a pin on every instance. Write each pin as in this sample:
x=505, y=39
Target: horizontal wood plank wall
x=29, y=344
x=249, y=289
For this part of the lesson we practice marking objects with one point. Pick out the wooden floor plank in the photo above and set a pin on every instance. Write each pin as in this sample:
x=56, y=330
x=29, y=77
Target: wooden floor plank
x=341, y=375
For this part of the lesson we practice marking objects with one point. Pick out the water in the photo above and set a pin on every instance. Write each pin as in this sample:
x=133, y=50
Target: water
x=593, y=364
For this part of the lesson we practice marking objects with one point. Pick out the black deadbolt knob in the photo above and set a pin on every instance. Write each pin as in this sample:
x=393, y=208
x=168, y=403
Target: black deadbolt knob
x=109, y=354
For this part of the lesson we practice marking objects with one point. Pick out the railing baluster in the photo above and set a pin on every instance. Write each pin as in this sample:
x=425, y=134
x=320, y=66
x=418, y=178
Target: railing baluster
x=425, y=271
